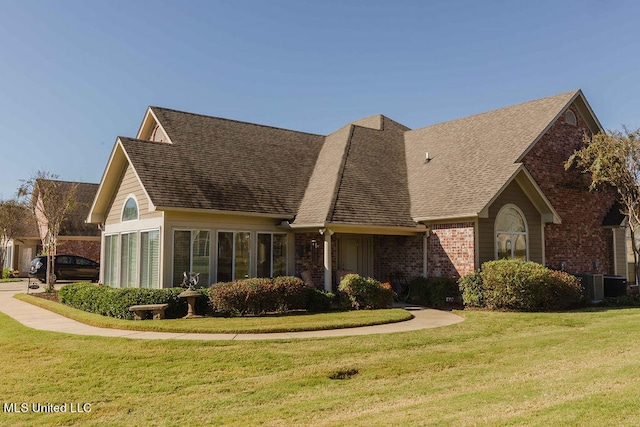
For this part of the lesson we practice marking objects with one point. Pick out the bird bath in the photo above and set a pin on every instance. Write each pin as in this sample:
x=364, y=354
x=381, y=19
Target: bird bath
x=191, y=281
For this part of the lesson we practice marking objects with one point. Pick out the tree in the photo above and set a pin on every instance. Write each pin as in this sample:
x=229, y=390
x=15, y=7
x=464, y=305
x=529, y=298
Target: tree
x=613, y=160
x=14, y=218
x=51, y=201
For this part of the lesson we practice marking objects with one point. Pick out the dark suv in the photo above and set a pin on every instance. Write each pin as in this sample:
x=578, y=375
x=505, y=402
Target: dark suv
x=67, y=267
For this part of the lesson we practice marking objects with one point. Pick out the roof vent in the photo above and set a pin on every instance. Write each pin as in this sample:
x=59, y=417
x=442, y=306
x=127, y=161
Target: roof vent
x=570, y=118
x=427, y=159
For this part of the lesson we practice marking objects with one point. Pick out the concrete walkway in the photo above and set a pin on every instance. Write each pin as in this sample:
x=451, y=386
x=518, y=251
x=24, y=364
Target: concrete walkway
x=45, y=320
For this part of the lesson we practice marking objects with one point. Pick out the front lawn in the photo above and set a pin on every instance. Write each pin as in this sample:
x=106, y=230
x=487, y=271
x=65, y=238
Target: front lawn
x=233, y=325
x=577, y=368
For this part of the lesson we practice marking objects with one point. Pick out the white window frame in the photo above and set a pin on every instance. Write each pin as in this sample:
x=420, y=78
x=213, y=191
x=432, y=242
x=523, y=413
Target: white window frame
x=124, y=205
x=191, y=241
x=118, y=236
x=233, y=252
x=512, y=233
x=139, y=282
x=257, y=244
x=117, y=257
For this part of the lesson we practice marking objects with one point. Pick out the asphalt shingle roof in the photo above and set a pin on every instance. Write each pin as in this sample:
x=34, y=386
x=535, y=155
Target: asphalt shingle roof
x=473, y=157
x=224, y=164
x=370, y=172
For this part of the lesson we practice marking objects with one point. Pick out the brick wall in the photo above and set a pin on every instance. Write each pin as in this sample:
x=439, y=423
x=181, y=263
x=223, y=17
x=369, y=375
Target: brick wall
x=311, y=257
x=85, y=248
x=397, y=257
x=450, y=250
x=579, y=242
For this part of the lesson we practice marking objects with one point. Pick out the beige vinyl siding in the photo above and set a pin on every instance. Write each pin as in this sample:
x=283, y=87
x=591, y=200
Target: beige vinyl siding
x=514, y=195
x=620, y=251
x=129, y=184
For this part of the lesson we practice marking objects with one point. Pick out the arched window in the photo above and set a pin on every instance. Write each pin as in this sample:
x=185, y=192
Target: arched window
x=570, y=118
x=157, y=135
x=511, y=234
x=130, y=211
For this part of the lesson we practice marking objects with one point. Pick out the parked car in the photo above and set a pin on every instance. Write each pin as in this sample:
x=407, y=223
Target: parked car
x=67, y=267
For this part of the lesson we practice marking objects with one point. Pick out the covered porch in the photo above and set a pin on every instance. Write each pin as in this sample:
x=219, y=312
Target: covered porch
x=324, y=255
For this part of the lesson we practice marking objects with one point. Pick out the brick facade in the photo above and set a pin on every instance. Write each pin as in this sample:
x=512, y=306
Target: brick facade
x=450, y=249
x=397, y=257
x=309, y=254
x=580, y=244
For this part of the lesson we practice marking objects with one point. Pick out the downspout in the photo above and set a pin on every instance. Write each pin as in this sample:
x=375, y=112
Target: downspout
x=425, y=253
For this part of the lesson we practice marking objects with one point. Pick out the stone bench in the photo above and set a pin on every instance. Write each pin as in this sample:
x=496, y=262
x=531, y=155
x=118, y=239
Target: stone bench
x=140, y=311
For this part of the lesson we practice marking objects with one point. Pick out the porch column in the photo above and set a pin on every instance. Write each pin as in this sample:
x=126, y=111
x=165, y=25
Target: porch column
x=327, y=258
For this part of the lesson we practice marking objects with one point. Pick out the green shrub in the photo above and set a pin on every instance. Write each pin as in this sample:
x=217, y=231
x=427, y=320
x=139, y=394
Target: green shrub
x=623, y=301
x=319, y=301
x=5, y=273
x=364, y=293
x=115, y=302
x=433, y=292
x=519, y=285
x=259, y=296
x=472, y=290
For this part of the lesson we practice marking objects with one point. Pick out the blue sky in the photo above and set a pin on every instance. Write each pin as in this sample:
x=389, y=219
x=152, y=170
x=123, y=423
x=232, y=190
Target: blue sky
x=76, y=74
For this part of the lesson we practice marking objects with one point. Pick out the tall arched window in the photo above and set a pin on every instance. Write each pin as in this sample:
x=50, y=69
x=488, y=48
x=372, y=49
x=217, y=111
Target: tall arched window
x=511, y=234
x=130, y=211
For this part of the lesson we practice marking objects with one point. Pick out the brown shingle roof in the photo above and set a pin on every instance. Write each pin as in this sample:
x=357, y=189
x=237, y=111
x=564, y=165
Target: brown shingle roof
x=373, y=187
x=75, y=224
x=224, y=164
x=370, y=172
x=473, y=157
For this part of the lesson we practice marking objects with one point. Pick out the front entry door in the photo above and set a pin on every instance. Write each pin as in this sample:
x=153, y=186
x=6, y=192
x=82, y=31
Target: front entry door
x=356, y=254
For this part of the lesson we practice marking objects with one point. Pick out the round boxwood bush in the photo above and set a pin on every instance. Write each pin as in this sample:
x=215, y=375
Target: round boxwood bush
x=364, y=293
x=511, y=284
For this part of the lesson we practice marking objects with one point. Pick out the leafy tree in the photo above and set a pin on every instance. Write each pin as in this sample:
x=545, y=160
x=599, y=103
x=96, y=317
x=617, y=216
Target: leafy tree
x=14, y=218
x=52, y=201
x=613, y=160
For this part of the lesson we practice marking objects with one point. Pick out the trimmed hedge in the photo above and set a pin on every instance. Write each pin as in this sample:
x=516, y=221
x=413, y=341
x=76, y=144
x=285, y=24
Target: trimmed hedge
x=364, y=293
x=262, y=295
x=518, y=285
x=115, y=302
x=433, y=292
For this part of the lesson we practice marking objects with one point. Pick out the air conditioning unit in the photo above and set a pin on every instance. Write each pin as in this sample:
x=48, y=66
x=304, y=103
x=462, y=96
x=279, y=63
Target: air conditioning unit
x=593, y=285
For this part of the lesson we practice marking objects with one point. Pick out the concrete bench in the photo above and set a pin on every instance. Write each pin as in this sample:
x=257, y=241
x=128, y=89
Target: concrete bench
x=140, y=311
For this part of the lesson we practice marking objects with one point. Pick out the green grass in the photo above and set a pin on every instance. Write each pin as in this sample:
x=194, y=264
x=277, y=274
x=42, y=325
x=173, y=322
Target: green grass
x=10, y=280
x=288, y=323
x=578, y=368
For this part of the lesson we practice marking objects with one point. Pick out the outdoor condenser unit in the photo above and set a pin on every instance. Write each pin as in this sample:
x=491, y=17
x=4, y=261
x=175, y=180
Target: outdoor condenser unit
x=593, y=286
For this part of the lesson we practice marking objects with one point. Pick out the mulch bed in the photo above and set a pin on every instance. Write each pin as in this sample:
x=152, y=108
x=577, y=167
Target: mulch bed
x=51, y=296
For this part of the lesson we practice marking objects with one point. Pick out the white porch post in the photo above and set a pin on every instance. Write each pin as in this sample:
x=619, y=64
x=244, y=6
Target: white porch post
x=327, y=258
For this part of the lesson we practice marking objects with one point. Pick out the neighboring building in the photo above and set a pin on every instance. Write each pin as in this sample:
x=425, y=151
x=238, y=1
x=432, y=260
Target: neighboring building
x=20, y=250
x=230, y=199
x=76, y=237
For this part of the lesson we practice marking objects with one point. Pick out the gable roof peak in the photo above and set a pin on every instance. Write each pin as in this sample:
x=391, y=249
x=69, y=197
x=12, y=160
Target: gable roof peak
x=378, y=122
x=205, y=116
x=567, y=97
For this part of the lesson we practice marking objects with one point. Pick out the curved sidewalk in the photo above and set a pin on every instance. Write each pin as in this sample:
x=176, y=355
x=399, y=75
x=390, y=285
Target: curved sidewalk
x=45, y=320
